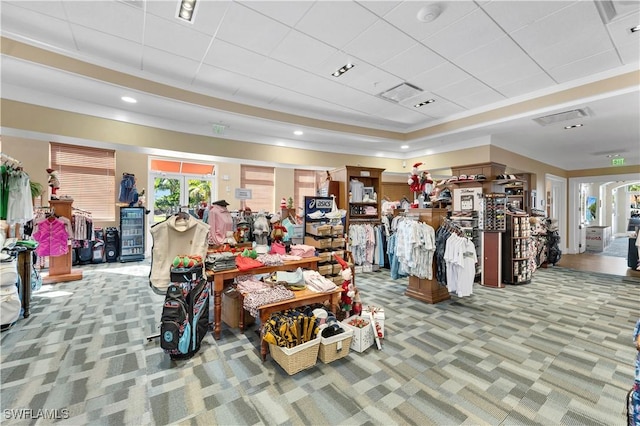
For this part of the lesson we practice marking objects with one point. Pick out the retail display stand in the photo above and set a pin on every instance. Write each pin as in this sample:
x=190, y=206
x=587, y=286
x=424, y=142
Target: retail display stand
x=60, y=266
x=492, y=219
x=326, y=235
x=426, y=290
x=515, y=265
x=371, y=179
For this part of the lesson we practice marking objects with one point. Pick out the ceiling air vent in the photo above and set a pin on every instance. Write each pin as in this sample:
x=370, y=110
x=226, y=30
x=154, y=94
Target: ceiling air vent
x=561, y=116
x=400, y=92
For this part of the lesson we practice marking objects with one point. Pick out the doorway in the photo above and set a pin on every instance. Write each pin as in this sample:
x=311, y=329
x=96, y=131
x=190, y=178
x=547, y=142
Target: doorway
x=174, y=193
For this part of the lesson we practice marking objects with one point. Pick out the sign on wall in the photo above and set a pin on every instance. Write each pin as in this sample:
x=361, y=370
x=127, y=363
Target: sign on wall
x=467, y=199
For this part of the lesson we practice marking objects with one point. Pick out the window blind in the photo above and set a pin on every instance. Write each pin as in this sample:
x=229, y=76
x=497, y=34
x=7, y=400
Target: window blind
x=260, y=180
x=305, y=184
x=88, y=176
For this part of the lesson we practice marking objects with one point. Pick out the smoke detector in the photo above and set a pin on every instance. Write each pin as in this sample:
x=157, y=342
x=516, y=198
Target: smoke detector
x=429, y=13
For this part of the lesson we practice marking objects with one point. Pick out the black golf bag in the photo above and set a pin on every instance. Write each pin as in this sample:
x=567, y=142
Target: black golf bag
x=185, y=314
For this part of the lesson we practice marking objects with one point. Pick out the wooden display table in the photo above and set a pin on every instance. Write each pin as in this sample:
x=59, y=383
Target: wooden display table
x=302, y=298
x=218, y=279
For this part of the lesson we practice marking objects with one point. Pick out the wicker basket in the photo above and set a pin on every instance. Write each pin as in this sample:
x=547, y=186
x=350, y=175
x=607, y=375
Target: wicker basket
x=335, y=347
x=296, y=359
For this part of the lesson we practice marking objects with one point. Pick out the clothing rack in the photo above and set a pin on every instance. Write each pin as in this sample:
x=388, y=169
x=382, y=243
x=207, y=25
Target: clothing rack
x=453, y=227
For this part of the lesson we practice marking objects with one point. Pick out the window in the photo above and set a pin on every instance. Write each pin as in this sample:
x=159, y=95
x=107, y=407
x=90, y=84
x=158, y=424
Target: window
x=304, y=186
x=260, y=181
x=88, y=176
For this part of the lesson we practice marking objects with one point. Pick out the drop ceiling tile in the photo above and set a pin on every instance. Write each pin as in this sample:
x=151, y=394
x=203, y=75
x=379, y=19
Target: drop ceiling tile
x=499, y=62
x=512, y=15
x=441, y=76
x=111, y=17
x=280, y=74
x=233, y=58
x=585, y=67
x=570, y=34
x=286, y=12
x=630, y=52
x=470, y=32
x=326, y=89
x=370, y=104
x=413, y=61
x=218, y=82
x=525, y=85
x=405, y=16
x=479, y=99
x=108, y=47
x=381, y=7
x=371, y=80
x=253, y=92
x=251, y=30
x=206, y=19
x=442, y=108
x=176, y=38
x=421, y=97
x=401, y=115
x=627, y=43
x=167, y=65
x=36, y=26
x=303, y=51
x=336, y=22
x=379, y=42
x=461, y=89
x=52, y=8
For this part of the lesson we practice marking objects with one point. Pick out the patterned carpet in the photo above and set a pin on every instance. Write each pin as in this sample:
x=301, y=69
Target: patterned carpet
x=556, y=351
x=619, y=247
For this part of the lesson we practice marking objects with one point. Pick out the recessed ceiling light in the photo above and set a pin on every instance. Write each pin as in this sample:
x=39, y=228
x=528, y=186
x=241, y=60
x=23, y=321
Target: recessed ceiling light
x=404, y=147
x=298, y=133
x=635, y=29
x=129, y=99
x=186, y=9
x=573, y=127
x=428, y=101
x=345, y=68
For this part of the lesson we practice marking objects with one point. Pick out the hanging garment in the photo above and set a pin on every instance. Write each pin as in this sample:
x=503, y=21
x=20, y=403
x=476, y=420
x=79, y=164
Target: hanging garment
x=52, y=236
x=175, y=236
x=220, y=222
x=20, y=204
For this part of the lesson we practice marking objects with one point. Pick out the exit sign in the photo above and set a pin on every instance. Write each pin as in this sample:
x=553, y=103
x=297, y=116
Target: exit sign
x=617, y=161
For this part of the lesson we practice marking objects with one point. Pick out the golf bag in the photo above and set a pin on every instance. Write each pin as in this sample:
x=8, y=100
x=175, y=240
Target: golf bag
x=185, y=314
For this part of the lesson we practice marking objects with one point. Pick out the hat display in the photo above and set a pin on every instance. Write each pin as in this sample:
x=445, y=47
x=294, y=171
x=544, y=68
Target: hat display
x=222, y=203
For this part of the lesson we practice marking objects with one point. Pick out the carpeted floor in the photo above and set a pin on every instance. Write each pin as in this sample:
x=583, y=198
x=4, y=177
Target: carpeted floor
x=618, y=247
x=556, y=351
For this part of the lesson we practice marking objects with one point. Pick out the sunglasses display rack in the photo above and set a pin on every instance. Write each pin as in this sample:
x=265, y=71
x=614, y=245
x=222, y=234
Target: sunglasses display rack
x=492, y=215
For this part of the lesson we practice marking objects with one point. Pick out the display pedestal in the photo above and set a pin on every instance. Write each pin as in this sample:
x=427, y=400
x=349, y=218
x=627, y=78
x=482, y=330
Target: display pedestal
x=60, y=266
x=429, y=291
x=491, y=260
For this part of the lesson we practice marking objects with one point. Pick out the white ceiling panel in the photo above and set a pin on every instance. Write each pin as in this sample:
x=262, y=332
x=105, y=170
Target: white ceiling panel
x=405, y=16
x=336, y=22
x=499, y=62
x=400, y=114
x=53, y=8
x=370, y=80
x=513, y=15
x=113, y=17
x=584, y=67
x=413, y=61
x=286, y=12
x=624, y=39
x=480, y=98
x=111, y=48
x=441, y=76
x=526, y=85
x=170, y=66
x=218, y=82
x=175, y=38
x=207, y=16
x=36, y=26
x=302, y=51
x=257, y=93
x=441, y=108
x=473, y=30
x=233, y=58
x=629, y=53
x=379, y=43
x=461, y=89
x=280, y=74
x=247, y=28
x=381, y=7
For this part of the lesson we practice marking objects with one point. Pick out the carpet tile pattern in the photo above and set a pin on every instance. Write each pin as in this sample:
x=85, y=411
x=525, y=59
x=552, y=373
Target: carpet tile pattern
x=556, y=351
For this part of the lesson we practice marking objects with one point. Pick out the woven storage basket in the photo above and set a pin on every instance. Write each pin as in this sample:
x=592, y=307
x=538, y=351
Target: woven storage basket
x=296, y=359
x=329, y=346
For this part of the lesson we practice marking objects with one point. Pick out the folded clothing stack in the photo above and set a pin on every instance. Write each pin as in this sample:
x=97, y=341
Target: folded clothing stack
x=303, y=250
x=220, y=261
x=318, y=283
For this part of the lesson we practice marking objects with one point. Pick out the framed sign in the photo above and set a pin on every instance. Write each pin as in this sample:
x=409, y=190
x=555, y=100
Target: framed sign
x=243, y=194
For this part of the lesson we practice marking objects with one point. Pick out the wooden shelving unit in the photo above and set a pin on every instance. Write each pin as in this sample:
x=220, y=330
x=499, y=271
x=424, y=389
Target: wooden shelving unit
x=370, y=178
x=515, y=250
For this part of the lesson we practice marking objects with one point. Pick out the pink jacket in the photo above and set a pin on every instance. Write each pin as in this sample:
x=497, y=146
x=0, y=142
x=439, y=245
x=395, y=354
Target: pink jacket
x=220, y=222
x=52, y=237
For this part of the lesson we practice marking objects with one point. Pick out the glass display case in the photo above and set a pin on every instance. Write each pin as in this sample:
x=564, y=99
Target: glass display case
x=132, y=234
